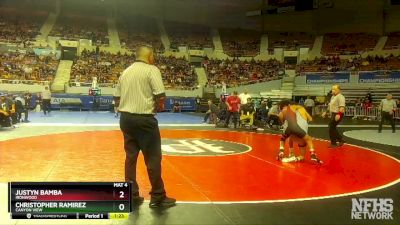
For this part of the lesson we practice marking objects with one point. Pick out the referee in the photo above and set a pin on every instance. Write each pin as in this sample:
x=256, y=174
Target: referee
x=336, y=107
x=139, y=94
x=387, y=106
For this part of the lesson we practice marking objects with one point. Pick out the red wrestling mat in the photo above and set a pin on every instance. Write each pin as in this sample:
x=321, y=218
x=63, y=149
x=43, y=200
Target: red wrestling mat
x=201, y=165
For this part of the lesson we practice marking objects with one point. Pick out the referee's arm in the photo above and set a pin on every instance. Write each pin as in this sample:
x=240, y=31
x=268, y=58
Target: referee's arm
x=117, y=94
x=158, y=89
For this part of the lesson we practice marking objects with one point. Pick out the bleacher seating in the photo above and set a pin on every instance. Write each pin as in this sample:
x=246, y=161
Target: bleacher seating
x=334, y=63
x=346, y=43
x=105, y=66
x=240, y=72
x=353, y=93
x=193, y=36
x=238, y=42
x=81, y=27
x=21, y=66
x=290, y=41
x=136, y=31
x=393, y=41
x=20, y=26
x=177, y=73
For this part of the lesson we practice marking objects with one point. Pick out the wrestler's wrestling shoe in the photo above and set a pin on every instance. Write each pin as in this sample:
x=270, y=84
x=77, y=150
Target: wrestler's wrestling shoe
x=292, y=159
x=281, y=154
x=315, y=159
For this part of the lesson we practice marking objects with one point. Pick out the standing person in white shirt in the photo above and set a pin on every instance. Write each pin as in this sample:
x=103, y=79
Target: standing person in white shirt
x=46, y=100
x=243, y=97
x=387, y=107
x=309, y=104
x=223, y=90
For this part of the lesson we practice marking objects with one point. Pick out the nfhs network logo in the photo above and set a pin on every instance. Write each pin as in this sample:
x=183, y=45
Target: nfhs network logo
x=372, y=208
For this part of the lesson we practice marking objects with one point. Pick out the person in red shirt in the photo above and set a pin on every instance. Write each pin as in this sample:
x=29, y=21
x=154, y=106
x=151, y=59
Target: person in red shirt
x=233, y=103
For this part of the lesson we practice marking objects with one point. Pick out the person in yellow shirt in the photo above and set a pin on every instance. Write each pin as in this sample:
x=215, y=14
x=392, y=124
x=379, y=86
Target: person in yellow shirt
x=247, y=112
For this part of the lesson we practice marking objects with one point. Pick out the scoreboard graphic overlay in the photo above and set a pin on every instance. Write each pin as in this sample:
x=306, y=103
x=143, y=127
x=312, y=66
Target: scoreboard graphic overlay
x=61, y=200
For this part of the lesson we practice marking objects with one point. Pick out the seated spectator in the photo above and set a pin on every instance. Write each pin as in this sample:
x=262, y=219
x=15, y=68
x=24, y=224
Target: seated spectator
x=7, y=111
x=176, y=108
x=262, y=111
x=273, y=116
x=222, y=110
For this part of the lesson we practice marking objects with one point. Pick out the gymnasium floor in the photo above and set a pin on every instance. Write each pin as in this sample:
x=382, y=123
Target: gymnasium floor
x=218, y=176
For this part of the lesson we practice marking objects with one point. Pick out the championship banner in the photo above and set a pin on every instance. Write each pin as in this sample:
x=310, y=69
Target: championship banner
x=328, y=78
x=187, y=104
x=379, y=77
x=86, y=102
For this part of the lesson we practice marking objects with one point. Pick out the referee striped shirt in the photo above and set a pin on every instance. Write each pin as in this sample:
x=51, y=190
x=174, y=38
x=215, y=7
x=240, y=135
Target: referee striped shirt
x=137, y=86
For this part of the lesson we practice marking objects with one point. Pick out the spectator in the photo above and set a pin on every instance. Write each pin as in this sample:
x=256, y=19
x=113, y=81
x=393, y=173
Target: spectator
x=273, y=116
x=176, y=108
x=27, y=106
x=301, y=101
x=244, y=97
x=247, y=112
x=46, y=100
x=211, y=112
x=369, y=95
x=233, y=105
x=309, y=105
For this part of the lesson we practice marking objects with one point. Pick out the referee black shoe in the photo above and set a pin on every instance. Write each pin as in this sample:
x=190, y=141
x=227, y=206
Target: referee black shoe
x=163, y=203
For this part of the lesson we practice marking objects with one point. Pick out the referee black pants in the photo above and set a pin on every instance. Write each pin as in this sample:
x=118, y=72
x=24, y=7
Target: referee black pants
x=334, y=134
x=386, y=116
x=46, y=105
x=141, y=133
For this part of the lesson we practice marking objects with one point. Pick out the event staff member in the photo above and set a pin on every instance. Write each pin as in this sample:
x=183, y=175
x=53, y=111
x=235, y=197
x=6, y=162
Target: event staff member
x=46, y=100
x=387, y=106
x=139, y=95
x=211, y=112
x=233, y=104
x=244, y=97
x=309, y=104
x=27, y=106
x=336, y=107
